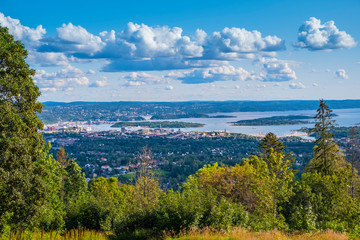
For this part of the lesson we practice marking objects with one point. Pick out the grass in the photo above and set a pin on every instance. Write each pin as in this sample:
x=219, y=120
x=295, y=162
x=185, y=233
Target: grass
x=204, y=234
x=242, y=234
x=129, y=176
x=76, y=234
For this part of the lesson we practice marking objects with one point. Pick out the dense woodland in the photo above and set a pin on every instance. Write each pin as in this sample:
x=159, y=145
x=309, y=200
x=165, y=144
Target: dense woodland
x=275, y=120
x=41, y=191
x=177, y=158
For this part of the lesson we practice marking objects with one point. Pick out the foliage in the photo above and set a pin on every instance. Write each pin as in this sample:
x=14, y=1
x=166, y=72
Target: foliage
x=74, y=183
x=260, y=193
x=327, y=157
x=73, y=234
x=29, y=178
x=275, y=120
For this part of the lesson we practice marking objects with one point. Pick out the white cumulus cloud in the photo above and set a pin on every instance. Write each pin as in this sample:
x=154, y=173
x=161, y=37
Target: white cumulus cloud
x=48, y=89
x=67, y=77
x=235, y=42
x=100, y=83
x=139, y=47
x=72, y=39
x=222, y=73
x=275, y=70
x=341, y=73
x=298, y=85
x=316, y=36
x=47, y=59
x=91, y=72
x=25, y=34
x=142, y=78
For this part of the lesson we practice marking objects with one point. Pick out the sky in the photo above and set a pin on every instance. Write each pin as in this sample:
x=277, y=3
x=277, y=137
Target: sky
x=189, y=50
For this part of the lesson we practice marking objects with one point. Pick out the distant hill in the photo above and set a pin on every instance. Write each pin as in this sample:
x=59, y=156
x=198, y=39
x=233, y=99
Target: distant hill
x=115, y=111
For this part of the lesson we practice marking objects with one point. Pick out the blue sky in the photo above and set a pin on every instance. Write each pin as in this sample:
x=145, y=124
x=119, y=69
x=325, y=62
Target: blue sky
x=189, y=50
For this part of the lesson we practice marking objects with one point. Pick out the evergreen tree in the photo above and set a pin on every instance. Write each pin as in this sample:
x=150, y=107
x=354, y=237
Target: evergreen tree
x=280, y=174
x=270, y=141
x=62, y=157
x=326, y=151
x=323, y=191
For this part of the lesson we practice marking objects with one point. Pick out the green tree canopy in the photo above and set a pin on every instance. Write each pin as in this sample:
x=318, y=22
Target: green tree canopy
x=327, y=156
x=24, y=188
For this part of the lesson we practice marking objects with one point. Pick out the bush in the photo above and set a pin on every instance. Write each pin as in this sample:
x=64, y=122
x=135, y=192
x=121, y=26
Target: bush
x=87, y=212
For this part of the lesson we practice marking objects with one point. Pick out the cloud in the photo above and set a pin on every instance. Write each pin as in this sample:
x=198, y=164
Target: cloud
x=156, y=64
x=139, y=47
x=222, y=73
x=260, y=86
x=91, y=72
x=99, y=83
x=134, y=83
x=29, y=36
x=169, y=88
x=316, y=36
x=341, y=73
x=298, y=85
x=275, y=70
x=48, y=89
x=67, y=77
x=48, y=59
x=142, y=78
x=235, y=42
x=315, y=84
x=72, y=39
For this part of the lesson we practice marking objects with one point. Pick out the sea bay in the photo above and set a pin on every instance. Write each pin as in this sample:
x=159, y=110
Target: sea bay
x=344, y=117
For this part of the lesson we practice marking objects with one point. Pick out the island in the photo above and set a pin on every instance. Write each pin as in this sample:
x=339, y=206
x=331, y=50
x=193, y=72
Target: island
x=275, y=120
x=221, y=116
x=130, y=118
x=162, y=124
x=186, y=115
x=338, y=132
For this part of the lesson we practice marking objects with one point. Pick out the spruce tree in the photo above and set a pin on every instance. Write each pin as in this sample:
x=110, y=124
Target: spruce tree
x=280, y=174
x=327, y=155
x=271, y=143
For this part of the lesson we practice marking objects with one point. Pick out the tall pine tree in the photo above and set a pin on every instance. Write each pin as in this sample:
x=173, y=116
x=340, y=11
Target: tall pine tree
x=327, y=156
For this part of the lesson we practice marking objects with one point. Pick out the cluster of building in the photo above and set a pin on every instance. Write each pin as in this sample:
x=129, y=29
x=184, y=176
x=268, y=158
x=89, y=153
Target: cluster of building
x=85, y=128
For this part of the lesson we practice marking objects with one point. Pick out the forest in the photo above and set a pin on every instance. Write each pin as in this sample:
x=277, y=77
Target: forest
x=275, y=120
x=47, y=195
x=176, y=158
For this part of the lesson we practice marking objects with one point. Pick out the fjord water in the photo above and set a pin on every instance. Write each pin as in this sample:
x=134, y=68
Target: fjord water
x=345, y=117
